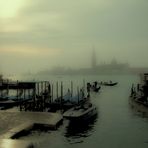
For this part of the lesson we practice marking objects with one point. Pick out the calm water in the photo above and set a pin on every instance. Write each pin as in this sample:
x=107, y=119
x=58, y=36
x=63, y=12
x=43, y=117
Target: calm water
x=116, y=125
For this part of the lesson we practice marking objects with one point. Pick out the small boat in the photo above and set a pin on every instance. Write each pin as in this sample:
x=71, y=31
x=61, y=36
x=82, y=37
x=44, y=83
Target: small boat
x=139, y=107
x=93, y=87
x=97, y=89
x=81, y=112
x=140, y=93
x=108, y=83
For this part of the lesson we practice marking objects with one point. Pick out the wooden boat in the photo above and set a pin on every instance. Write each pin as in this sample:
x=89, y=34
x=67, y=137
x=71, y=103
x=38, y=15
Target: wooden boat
x=139, y=107
x=93, y=87
x=108, y=83
x=139, y=94
x=97, y=89
x=81, y=112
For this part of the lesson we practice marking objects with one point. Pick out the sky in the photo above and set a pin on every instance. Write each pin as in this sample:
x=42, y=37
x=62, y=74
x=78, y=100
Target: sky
x=41, y=34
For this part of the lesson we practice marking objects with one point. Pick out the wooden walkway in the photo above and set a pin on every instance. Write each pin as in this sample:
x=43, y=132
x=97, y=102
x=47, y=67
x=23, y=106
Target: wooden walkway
x=32, y=121
x=35, y=121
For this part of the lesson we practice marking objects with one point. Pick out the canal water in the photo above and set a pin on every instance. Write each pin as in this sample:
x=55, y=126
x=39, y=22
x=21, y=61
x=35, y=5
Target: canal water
x=116, y=125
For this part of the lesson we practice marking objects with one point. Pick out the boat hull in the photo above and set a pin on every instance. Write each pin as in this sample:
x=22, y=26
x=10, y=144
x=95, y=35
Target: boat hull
x=108, y=84
x=138, y=106
x=83, y=117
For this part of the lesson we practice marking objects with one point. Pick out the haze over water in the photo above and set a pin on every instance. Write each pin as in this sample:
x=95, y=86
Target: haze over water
x=44, y=35
x=117, y=124
x=39, y=35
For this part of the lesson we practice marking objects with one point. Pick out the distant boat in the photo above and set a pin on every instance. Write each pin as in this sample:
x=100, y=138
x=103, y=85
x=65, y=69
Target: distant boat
x=81, y=112
x=108, y=83
x=97, y=89
x=93, y=87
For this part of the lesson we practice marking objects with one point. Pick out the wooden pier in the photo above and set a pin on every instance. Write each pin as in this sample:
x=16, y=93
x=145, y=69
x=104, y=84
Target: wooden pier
x=37, y=96
x=28, y=95
x=34, y=121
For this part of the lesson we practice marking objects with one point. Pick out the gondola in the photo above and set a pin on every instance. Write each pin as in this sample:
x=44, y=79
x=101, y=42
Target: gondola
x=110, y=84
x=107, y=83
x=81, y=112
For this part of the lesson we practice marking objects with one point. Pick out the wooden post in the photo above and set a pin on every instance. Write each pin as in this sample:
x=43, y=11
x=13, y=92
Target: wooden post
x=46, y=94
x=1, y=93
x=45, y=85
x=38, y=89
x=52, y=94
x=2, y=90
x=57, y=90
x=78, y=94
x=71, y=89
x=17, y=89
x=42, y=87
x=84, y=88
x=7, y=88
x=24, y=93
x=29, y=93
x=61, y=91
x=20, y=99
x=49, y=91
x=61, y=94
x=84, y=84
x=34, y=96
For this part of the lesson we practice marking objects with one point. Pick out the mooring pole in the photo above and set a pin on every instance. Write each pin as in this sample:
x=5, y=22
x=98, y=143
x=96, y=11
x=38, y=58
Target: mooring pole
x=57, y=90
x=45, y=85
x=7, y=88
x=71, y=89
x=24, y=93
x=38, y=88
x=34, y=96
x=42, y=87
x=52, y=94
x=17, y=89
x=29, y=93
x=78, y=94
x=61, y=94
x=49, y=91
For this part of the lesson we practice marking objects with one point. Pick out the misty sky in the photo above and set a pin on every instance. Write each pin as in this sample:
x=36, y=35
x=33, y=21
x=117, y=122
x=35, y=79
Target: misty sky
x=40, y=34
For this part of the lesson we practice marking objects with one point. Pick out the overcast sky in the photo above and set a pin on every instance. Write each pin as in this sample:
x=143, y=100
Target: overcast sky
x=41, y=34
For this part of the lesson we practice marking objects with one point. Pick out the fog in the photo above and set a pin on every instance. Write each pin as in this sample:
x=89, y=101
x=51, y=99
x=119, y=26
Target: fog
x=39, y=35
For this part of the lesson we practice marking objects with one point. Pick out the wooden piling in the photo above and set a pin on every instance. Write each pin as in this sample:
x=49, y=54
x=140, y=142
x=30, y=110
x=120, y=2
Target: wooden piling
x=57, y=90
x=61, y=91
x=7, y=88
x=61, y=94
x=17, y=90
x=78, y=94
x=29, y=93
x=52, y=94
x=42, y=87
x=38, y=89
x=71, y=89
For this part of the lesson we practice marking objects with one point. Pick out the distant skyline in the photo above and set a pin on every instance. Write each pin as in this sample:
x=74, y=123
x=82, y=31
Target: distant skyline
x=42, y=34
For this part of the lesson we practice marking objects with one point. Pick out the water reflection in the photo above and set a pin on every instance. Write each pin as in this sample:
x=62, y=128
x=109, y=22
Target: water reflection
x=76, y=132
x=7, y=143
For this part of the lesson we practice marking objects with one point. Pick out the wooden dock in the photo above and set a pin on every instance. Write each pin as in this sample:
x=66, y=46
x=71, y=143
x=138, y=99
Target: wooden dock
x=138, y=106
x=35, y=121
